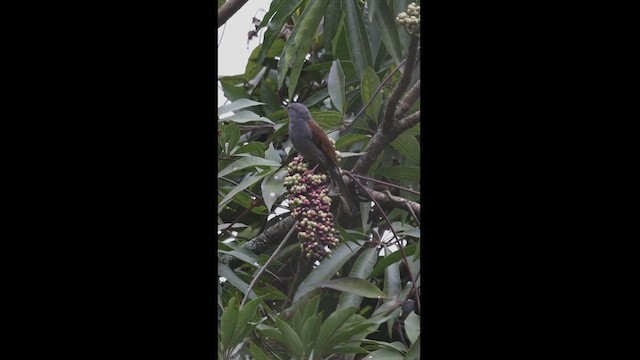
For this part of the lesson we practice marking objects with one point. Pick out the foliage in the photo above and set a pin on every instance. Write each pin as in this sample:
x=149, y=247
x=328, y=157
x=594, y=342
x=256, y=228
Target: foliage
x=342, y=59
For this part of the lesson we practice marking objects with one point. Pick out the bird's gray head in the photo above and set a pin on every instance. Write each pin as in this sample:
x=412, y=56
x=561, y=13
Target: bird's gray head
x=299, y=112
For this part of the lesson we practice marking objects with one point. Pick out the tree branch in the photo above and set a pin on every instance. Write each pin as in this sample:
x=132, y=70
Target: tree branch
x=386, y=200
x=407, y=100
x=392, y=126
x=228, y=9
x=261, y=243
x=409, y=121
x=403, y=84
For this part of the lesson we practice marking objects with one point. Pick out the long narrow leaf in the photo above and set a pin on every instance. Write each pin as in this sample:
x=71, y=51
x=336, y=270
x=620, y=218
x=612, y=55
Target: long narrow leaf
x=306, y=28
x=327, y=268
x=336, y=86
x=329, y=326
x=356, y=36
x=361, y=270
x=384, y=20
x=359, y=287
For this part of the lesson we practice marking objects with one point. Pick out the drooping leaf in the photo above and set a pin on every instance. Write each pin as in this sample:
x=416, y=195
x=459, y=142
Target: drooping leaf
x=356, y=36
x=408, y=146
x=412, y=326
x=385, y=354
x=392, y=286
x=327, y=268
x=234, y=280
x=384, y=20
x=245, y=162
x=246, y=116
x=329, y=326
x=273, y=187
x=292, y=339
x=332, y=19
x=390, y=259
x=246, y=313
x=247, y=182
x=256, y=352
x=373, y=33
x=336, y=85
x=370, y=83
x=349, y=139
x=310, y=330
x=228, y=323
x=355, y=286
x=414, y=350
x=327, y=119
x=361, y=270
x=276, y=18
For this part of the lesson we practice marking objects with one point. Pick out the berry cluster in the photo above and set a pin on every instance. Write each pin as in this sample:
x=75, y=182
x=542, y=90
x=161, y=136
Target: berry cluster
x=311, y=207
x=410, y=19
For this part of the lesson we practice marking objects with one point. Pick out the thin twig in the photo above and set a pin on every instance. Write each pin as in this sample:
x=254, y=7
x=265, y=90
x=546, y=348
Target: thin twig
x=398, y=243
x=413, y=213
x=384, y=183
x=264, y=267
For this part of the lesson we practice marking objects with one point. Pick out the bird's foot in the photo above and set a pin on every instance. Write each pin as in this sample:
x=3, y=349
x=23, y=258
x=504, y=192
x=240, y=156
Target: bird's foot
x=310, y=171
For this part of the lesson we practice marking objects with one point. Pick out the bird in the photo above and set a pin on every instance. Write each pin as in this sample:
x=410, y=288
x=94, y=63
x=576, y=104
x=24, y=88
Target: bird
x=314, y=145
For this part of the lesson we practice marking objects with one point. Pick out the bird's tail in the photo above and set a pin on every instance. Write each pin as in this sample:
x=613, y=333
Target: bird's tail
x=349, y=198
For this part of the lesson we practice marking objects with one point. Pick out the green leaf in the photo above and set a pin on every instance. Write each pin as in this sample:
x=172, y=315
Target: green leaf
x=396, y=345
x=336, y=85
x=245, y=162
x=272, y=154
x=255, y=148
x=327, y=119
x=370, y=83
x=256, y=352
x=245, y=117
x=231, y=137
x=296, y=48
x=414, y=350
x=407, y=146
x=328, y=328
x=282, y=10
x=373, y=33
x=249, y=259
x=237, y=105
x=361, y=270
x=247, y=182
x=234, y=280
x=310, y=329
x=384, y=20
x=273, y=187
x=311, y=308
x=385, y=354
x=349, y=139
x=233, y=87
x=327, y=268
x=355, y=286
x=271, y=333
x=390, y=259
x=349, y=331
x=270, y=292
x=392, y=286
x=246, y=313
x=356, y=36
x=332, y=19
x=228, y=324
x=292, y=339
x=412, y=326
